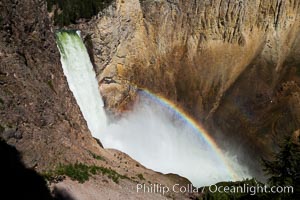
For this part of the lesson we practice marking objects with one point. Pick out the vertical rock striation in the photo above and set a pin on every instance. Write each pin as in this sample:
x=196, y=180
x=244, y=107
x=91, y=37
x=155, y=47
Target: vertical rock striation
x=224, y=61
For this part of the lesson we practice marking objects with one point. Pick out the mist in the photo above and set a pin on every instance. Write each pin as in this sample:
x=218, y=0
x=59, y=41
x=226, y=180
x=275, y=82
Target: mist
x=151, y=133
x=162, y=141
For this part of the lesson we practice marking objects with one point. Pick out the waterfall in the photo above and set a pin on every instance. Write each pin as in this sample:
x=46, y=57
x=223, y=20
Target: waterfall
x=82, y=81
x=149, y=134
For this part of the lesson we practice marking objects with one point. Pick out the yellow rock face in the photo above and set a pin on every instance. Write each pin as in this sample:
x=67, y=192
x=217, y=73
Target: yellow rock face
x=191, y=50
x=222, y=61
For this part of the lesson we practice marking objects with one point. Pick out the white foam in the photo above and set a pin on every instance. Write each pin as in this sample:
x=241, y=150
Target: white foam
x=82, y=81
x=149, y=133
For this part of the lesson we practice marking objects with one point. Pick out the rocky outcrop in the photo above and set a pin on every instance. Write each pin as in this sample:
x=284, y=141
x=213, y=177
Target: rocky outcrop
x=198, y=49
x=224, y=61
x=38, y=113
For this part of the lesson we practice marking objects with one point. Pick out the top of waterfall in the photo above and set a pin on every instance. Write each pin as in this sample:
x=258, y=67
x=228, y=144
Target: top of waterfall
x=78, y=33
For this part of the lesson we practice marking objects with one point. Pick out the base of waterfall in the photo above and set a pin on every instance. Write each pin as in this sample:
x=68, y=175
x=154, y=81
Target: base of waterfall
x=151, y=134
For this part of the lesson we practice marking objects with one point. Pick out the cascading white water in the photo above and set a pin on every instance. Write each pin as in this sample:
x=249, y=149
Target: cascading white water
x=158, y=139
x=149, y=134
x=81, y=78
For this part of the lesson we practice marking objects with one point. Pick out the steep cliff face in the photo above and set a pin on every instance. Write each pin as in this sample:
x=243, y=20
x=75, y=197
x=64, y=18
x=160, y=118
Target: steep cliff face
x=223, y=61
x=38, y=113
x=40, y=117
x=198, y=48
x=263, y=104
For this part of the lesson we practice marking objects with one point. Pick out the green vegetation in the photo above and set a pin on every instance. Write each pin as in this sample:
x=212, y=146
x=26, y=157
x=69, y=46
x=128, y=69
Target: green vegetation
x=1, y=101
x=97, y=157
x=284, y=169
x=81, y=172
x=72, y=10
x=141, y=177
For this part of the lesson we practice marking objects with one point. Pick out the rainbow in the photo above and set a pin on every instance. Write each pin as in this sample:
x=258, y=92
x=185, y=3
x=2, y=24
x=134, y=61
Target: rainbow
x=196, y=127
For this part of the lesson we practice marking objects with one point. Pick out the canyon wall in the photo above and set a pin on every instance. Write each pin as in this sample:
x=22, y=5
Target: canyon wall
x=39, y=115
x=233, y=65
x=40, y=118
